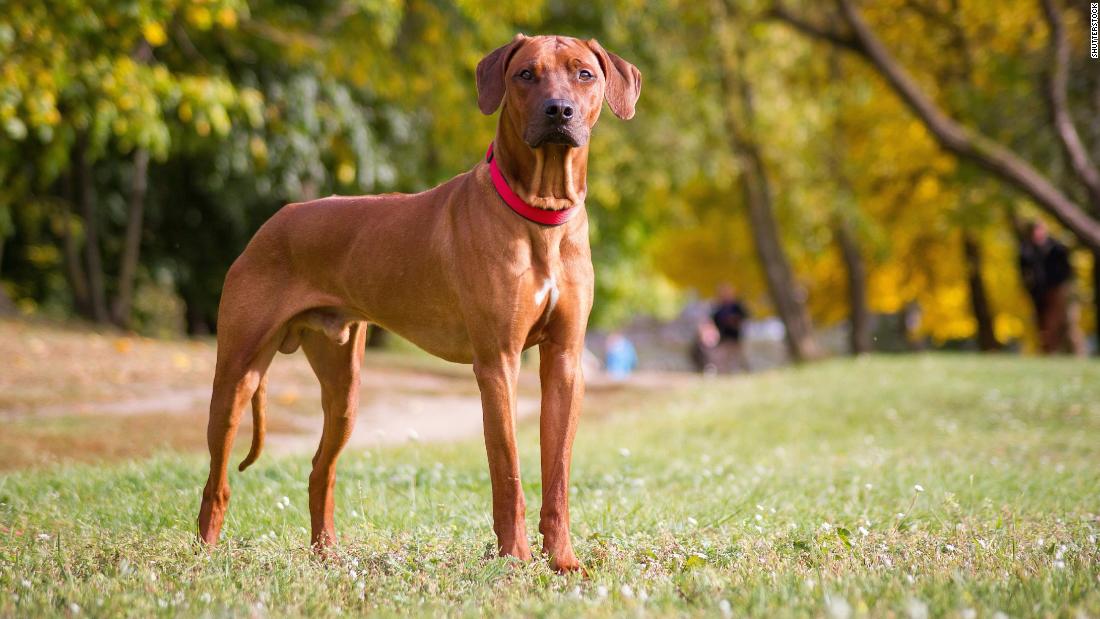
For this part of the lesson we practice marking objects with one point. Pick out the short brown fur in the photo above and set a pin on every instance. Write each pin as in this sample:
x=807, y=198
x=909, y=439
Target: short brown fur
x=451, y=269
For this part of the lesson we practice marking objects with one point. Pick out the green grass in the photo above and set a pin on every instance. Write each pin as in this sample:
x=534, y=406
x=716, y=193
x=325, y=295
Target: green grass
x=789, y=493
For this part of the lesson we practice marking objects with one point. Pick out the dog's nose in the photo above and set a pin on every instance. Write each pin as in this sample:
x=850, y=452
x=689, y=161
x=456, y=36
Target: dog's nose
x=558, y=109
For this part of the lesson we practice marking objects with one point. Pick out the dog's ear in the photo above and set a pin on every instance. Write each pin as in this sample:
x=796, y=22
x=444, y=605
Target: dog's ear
x=490, y=75
x=624, y=81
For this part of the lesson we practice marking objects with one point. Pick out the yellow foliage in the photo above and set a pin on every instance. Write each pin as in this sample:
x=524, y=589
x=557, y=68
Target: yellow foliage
x=200, y=17
x=154, y=34
x=227, y=18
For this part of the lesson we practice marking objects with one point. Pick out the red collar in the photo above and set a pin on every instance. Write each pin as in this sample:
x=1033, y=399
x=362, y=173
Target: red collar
x=546, y=217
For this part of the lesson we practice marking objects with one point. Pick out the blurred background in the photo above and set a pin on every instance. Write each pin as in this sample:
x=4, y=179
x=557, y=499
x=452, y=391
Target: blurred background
x=855, y=177
x=804, y=182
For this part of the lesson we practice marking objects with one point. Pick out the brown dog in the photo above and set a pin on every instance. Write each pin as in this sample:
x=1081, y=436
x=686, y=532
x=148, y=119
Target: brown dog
x=452, y=269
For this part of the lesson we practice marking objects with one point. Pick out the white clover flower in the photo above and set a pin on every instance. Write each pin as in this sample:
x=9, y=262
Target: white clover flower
x=825, y=526
x=692, y=521
x=916, y=609
x=43, y=536
x=725, y=607
x=918, y=488
x=74, y=608
x=626, y=591
x=601, y=591
x=414, y=436
x=205, y=598
x=837, y=607
x=624, y=452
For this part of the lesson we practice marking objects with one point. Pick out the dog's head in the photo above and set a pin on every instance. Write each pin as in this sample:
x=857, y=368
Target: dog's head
x=552, y=88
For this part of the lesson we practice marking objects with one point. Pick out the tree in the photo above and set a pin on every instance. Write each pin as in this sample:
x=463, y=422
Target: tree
x=1081, y=218
x=786, y=294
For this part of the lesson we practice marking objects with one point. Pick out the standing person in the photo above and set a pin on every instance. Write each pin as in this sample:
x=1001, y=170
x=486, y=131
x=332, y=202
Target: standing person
x=729, y=317
x=1048, y=277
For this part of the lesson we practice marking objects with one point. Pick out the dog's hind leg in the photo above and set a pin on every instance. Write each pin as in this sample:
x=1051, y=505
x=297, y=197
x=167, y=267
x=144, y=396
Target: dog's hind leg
x=242, y=364
x=336, y=364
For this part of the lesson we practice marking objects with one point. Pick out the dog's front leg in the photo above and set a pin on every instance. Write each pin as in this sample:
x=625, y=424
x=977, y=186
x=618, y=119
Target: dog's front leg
x=497, y=376
x=562, y=392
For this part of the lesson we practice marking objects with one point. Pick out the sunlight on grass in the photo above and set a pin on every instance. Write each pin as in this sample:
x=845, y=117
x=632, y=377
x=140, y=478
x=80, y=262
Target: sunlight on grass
x=919, y=486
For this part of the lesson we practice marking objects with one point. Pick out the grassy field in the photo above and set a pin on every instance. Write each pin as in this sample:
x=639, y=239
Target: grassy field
x=910, y=486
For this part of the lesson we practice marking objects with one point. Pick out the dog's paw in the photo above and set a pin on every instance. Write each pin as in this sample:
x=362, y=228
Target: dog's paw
x=567, y=565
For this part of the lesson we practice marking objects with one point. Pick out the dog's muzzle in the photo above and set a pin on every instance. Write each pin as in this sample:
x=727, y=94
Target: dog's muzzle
x=559, y=123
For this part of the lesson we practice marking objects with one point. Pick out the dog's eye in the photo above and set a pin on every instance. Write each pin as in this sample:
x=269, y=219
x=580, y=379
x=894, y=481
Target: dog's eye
x=526, y=75
x=585, y=75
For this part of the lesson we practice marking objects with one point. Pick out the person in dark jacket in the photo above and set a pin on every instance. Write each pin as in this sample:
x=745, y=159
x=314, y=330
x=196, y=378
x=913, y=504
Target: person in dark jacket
x=1048, y=277
x=729, y=318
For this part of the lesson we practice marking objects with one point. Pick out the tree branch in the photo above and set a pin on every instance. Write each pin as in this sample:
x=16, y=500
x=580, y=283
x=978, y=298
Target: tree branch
x=1074, y=148
x=839, y=39
x=975, y=147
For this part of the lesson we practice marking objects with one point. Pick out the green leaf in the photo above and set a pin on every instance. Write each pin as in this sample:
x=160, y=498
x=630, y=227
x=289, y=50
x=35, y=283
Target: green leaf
x=695, y=561
x=845, y=536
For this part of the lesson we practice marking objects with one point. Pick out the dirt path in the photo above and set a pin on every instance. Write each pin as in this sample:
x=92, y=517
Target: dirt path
x=67, y=394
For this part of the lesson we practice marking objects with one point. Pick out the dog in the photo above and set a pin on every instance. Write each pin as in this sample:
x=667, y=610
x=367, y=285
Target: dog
x=476, y=270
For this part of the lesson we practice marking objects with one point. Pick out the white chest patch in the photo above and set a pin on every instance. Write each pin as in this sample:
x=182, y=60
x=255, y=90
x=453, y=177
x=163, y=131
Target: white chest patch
x=549, y=289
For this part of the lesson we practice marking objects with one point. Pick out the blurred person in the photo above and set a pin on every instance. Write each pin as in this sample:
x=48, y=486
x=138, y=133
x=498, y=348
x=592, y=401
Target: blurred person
x=704, y=348
x=729, y=316
x=1048, y=277
x=620, y=357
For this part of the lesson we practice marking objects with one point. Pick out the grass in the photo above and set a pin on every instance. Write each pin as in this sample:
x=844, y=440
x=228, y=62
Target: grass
x=912, y=486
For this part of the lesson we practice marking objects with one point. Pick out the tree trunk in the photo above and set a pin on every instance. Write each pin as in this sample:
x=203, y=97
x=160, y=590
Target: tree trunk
x=1096, y=299
x=786, y=294
x=979, y=302
x=859, y=339
x=131, y=251
x=93, y=262
x=7, y=306
x=198, y=322
x=74, y=267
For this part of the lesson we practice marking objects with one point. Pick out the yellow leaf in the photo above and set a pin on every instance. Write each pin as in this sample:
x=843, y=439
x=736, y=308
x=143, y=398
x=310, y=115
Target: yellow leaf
x=346, y=173
x=154, y=34
x=227, y=18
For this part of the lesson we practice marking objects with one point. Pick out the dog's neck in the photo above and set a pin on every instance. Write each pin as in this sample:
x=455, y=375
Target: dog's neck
x=553, y=176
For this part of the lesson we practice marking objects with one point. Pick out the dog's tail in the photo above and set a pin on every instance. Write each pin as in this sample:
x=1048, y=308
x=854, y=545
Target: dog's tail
x=259, y=414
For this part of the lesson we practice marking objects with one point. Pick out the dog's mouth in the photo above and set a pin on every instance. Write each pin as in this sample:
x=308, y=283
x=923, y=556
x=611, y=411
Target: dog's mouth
x=563, y=135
